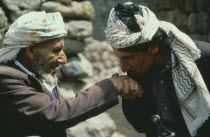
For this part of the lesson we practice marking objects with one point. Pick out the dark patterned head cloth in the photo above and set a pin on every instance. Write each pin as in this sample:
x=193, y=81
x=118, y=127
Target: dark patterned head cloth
x=190, y=88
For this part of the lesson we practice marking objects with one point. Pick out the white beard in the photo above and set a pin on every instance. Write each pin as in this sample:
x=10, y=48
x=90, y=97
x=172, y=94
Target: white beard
x=47, y=80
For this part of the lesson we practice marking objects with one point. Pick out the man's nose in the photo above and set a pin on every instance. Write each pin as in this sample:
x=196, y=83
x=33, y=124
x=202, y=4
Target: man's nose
x=62, y=59
x=125, y=67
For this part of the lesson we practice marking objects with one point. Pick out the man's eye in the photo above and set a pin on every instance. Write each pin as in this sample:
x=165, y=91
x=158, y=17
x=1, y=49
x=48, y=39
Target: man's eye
x=56, y=51
x=127, y=58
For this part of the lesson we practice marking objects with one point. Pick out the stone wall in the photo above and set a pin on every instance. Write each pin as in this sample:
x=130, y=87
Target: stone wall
x=190, y=16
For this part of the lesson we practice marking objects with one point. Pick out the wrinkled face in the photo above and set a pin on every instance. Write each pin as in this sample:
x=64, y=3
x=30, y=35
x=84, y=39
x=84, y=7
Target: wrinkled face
x=49, y=55
x=135, y=63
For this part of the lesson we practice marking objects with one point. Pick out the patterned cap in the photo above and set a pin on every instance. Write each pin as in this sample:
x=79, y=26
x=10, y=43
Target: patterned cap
x=118, y=34
x=30, y=28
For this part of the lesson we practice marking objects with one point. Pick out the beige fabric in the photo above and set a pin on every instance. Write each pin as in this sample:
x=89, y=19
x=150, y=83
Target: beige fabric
x=119, y=36
x=30, y=28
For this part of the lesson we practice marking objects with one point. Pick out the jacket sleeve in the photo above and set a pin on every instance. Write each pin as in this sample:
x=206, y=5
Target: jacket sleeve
x=20, y=103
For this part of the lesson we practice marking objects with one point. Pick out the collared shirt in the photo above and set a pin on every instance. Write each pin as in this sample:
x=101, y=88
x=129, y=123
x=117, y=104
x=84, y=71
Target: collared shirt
x=54, y=91
x=17, y=63
x=167, y=104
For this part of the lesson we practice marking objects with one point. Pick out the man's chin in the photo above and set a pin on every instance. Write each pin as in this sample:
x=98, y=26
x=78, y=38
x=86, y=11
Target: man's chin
x=136, y=75
x=41, y=73
x=133, y=75
x=51, y=72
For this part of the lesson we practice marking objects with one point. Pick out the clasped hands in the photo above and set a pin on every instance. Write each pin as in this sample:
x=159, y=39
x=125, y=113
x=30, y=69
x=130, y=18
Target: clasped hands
x=126, y=87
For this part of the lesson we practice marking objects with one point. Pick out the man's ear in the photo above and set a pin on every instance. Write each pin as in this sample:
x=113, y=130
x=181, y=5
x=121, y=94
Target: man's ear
x=30, y=51
x=153, y=50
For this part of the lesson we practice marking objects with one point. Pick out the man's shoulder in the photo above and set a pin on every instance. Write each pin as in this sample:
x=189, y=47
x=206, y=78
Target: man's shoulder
x=204, y=47
x=10, y=70
x=198, y=42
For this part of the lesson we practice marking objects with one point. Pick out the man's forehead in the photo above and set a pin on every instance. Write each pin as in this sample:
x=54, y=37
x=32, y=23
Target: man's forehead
x=122, y=53
x=53, y=42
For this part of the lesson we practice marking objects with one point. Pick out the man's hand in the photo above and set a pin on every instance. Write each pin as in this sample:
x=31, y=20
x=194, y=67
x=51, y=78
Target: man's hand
x=126, y=87
x=32, y=136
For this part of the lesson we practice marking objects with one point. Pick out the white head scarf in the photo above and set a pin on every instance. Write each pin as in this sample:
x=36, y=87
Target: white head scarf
x=30, y=28
x=119, y=36
x=191, y=91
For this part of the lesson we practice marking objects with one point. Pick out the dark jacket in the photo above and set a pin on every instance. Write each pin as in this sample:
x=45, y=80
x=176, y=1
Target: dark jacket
x=138, y=112
x=28, y=108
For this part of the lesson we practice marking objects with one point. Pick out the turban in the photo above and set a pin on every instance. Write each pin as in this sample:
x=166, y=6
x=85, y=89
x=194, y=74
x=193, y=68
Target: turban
x=190, y=88
x=31, y=28
x=119, y=36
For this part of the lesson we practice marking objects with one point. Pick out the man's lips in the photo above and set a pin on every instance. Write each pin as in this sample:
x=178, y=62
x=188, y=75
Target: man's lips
x=130, y=72
x=54, y=66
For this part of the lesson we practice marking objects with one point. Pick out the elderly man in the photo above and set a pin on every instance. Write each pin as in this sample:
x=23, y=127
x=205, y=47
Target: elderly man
x=172, y=70
x=29, y=96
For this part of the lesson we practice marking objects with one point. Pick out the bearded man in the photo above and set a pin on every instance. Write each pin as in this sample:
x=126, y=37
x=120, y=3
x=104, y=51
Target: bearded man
x=30, y=101
x=172, y=69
